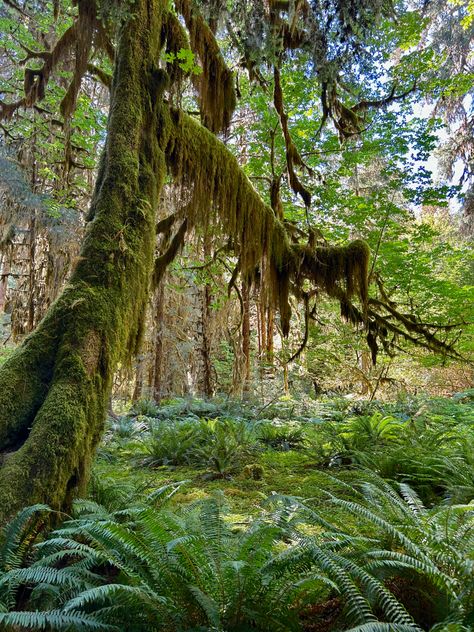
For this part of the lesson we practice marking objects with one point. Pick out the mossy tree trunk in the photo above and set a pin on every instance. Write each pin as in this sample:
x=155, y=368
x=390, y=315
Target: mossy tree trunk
x=54, y=390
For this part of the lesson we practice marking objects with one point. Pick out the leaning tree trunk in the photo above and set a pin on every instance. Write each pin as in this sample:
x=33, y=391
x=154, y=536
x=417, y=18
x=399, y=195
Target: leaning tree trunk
x=54, y=390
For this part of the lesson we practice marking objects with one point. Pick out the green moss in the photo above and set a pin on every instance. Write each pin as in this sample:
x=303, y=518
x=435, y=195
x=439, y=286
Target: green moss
x=62, y=375
x=24, y=378
x=216, y=89
x=255, y=471
x=291, y=473
x=337, y=268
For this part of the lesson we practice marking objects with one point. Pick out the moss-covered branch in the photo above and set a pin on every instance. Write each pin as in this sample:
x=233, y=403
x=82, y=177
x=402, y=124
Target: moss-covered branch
x=223, y=196
x=219, y=187
x=293, y=158
x=85, y=31
x=169, y=255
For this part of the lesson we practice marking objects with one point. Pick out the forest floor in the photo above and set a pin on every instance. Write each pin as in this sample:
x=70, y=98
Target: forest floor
x=249, y=452
x=222, y=516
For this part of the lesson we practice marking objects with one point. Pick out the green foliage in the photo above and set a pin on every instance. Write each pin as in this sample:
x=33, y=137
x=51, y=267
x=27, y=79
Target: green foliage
x=367, y=432
x=178, y=408
x=125, y=427
x=390, y=562
x=219, y=445
x=16, y=540
x=180, y=572
x=430, y=547
x=223, y=446
x=168, y=444
x=145, y=407
x=389, y=540
x=431, y=448
x=109, y=494
x=186, y=60
x=280, y=436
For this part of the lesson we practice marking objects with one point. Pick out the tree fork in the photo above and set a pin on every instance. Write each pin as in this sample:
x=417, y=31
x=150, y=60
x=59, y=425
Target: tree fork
x=55, y=388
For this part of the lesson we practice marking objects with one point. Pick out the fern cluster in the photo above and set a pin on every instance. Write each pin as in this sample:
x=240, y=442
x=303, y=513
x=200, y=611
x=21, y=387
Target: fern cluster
x=168, y=571
x=150, y=568
x=219, y=445
x=177, y=434
x=431, y=450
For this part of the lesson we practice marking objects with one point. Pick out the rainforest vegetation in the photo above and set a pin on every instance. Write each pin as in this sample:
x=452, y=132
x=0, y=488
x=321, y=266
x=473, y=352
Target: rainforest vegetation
x=236, y=315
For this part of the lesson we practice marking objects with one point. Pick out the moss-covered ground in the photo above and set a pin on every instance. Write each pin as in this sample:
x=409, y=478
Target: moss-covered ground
x=294, y=450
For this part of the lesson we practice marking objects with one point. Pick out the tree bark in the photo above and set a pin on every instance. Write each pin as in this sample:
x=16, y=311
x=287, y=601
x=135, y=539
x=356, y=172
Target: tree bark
x=54, y=390
x=270, y=333
x=32, y=272
x=158, y=350
x=140, y=371
x=246, y=334
x=206, y=299
x=206, y=378
x=4, y=273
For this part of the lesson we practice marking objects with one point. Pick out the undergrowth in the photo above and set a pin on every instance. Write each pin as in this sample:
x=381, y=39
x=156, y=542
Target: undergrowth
x=207, y=516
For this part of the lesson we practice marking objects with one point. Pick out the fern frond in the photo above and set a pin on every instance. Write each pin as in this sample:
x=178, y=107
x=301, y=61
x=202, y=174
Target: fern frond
x=384, y=627
x=14, y=534
x=54, y=619
x=125, y=595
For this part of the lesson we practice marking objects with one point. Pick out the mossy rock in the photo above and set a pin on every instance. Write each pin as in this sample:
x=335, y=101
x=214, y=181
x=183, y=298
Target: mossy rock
x=254, y=471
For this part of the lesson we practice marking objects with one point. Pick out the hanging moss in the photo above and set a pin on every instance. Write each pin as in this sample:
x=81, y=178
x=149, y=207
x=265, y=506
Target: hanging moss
x=293, y=157
x=221, y=193
x=216, y=86
x=330, y=266
x=219, y=188
x=86, y=24
x=176, y=39
x=80, y=34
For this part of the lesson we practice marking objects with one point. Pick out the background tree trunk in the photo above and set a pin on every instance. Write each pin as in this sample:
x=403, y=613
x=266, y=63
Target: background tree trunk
x=206, y=299
x=246, y=335
x=206, y=378
x=4, y=273
x=158, y=350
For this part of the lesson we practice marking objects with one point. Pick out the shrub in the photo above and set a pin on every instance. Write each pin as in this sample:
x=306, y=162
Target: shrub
x=280, y=436
x=223, y=446
x=390, y=558
x=168, y=444
x=189, y=571
x=124, y=428
x=368, y=432
x=219, y=445
x=145, y=407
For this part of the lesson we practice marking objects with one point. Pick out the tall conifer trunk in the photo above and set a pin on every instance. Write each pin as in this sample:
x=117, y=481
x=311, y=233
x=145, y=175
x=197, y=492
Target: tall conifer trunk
x=54, y=390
